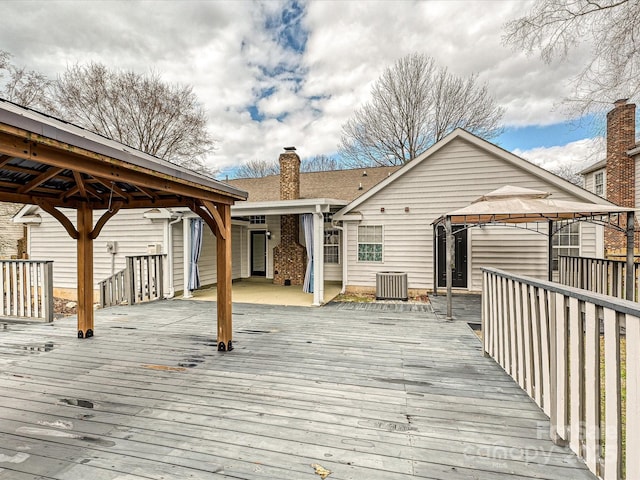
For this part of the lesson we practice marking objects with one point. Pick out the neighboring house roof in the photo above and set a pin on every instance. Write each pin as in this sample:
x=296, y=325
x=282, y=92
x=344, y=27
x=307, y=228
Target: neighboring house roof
x=459, y=133
x=596, y=166
x=338, y=184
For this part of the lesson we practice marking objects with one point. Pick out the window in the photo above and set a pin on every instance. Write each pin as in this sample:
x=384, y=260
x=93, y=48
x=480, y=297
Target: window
x=370, y=243
x=332, y=246
x=598, y=183
x=328, y=216
x=257, y=219
x=566, y=241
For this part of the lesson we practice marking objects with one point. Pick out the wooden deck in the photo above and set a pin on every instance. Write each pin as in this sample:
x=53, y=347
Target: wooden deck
x=375, y=395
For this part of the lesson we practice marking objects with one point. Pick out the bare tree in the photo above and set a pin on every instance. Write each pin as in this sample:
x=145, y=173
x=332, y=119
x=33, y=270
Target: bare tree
x=24, y=87
x=142, y=111
x=569, y=172
x=555, y=27
x=257, y=169
x=414, y=104
x=319, y=163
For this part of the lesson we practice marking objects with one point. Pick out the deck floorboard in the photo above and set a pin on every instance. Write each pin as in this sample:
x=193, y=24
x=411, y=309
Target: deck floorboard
x=367, y=393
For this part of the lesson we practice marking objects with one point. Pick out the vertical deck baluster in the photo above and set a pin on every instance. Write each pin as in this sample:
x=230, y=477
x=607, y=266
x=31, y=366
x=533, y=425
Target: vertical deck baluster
x=592, y=387
x=576, y=395
x=613, y=457
x=633, y=396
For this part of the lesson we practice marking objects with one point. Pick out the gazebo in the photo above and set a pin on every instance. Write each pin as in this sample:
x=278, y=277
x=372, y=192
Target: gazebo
x=518, y=205
x=53, y=164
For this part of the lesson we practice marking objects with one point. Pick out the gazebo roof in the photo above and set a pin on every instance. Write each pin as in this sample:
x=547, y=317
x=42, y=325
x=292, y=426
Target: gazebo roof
x=46, y=159
x=511, y=204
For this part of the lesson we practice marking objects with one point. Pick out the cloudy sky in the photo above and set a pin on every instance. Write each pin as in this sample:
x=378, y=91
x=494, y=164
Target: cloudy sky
x=272, y=74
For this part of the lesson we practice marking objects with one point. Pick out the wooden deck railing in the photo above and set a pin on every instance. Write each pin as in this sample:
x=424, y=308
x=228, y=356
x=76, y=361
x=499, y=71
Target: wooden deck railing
x=597, y=275
x=114, y=290
x=141, y=281
x=26, y=290
x=563, y=347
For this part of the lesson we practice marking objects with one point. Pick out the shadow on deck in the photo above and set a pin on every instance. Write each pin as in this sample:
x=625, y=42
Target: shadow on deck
x=366, y=395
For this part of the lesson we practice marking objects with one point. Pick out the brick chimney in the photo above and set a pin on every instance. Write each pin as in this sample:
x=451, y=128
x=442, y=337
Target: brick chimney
x=621, y=137
x=289, y=262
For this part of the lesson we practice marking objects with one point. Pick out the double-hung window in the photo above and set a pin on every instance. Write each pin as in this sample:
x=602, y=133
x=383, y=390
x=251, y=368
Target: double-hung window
x=566, y=242
x=370, y=241
x=598, y=184
x=332, y=245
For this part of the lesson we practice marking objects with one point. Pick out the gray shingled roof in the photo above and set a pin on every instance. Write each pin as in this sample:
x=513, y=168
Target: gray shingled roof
x=337, y=184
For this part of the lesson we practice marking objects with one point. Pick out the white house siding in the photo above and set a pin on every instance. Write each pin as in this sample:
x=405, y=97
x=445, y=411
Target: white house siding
x=332, y=271
x=178, y=256
x=589, y=182
x=207, y=265
x=508, y=248
x=449, y=179
x=50, y=241
x=238, y=252
x=591, y=240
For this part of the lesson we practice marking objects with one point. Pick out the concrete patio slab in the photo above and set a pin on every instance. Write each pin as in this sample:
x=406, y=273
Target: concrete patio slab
x=263, y=291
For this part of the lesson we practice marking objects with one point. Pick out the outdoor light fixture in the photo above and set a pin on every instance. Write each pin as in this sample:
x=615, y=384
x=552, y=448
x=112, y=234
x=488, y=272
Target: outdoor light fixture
x=268, y=235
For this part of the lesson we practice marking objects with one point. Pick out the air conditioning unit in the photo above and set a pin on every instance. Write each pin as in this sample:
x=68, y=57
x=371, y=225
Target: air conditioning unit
x=391, y=286
x=154, y=248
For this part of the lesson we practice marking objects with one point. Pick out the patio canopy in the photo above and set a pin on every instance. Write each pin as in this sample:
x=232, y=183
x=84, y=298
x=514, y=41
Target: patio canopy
x=53, y=164
x=512, y=205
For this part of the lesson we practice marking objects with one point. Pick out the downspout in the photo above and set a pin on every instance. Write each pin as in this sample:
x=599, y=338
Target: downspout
x=169, y=244
x=318, y=257
x=344, y=254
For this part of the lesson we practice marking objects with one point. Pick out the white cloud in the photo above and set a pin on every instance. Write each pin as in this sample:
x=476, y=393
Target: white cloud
x=576, y=155
x=224, y=49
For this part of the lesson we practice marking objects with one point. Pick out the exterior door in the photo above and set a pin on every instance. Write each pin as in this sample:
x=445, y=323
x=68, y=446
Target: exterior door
x=258, y=253
x=460, y=257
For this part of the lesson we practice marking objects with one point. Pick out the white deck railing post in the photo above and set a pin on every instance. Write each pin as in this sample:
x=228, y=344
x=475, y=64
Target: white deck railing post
x=26, y=290
x=547, y=336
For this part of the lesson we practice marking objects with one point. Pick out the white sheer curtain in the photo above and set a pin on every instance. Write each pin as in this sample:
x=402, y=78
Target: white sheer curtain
x=307, y=223
x=196, y=247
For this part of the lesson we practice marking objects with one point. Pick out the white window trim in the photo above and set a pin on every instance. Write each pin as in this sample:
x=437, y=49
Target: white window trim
x=579, y=246
x=358, y=243
x=604, y=183
x=337, y=245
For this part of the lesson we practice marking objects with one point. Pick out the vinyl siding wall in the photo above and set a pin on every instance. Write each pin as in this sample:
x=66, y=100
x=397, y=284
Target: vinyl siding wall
x=450, y=179
x=50, y=241
x=178, y=256
x=133, y=233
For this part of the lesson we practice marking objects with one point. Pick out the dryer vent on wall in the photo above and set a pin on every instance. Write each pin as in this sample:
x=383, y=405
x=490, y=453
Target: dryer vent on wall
x=391, y=286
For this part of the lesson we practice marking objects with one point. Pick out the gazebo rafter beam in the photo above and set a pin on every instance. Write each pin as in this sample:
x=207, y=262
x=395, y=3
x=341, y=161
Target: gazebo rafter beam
x=40, y=179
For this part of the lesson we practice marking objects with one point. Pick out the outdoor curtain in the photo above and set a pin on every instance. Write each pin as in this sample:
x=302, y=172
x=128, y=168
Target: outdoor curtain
x=307, y=223
x=196, y=247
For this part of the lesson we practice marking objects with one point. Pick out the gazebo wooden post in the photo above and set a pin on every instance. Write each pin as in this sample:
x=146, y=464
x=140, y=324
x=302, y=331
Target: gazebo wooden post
x=630, y=273
x=223, y=245
x=85, y=271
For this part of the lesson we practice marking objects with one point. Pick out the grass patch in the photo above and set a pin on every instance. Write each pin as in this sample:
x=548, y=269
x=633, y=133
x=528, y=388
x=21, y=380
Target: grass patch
x=355, y=298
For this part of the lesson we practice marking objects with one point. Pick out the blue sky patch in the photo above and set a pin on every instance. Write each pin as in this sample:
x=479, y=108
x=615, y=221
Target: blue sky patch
x=557, y=134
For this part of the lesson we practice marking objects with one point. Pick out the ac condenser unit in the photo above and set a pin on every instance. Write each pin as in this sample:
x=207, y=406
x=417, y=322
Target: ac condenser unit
x=391, y=286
